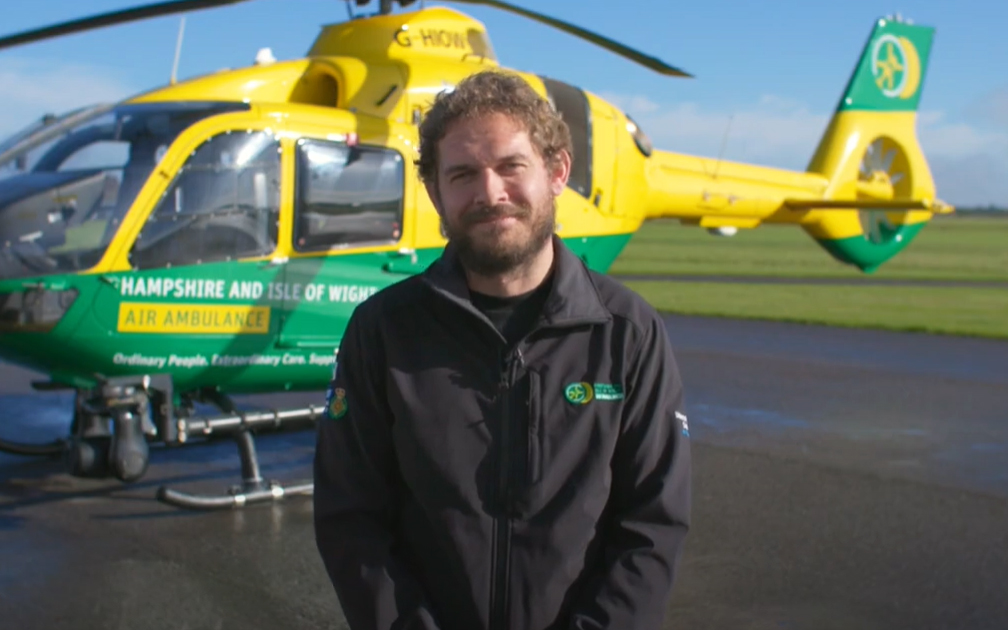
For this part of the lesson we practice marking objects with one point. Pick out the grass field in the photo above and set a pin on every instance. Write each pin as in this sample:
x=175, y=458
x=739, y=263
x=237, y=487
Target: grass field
x=950, y=249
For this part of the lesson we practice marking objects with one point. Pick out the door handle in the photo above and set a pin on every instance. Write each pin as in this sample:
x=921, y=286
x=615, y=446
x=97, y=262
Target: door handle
x=404, y=261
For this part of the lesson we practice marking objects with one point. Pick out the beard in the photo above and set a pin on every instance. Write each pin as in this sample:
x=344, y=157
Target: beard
x=493, y=250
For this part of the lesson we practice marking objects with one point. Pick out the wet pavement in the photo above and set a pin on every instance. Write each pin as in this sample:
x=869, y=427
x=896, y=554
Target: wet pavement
x=843, y=479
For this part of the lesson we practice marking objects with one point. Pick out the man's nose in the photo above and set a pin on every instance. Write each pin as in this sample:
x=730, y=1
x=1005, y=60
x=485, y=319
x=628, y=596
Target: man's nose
x=491, y=189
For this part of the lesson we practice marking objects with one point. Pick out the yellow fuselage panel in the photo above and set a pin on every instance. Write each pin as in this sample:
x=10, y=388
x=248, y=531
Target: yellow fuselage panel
x=394, y=90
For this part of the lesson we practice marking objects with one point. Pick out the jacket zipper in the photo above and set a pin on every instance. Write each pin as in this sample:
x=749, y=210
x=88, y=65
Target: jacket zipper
x=502, y=524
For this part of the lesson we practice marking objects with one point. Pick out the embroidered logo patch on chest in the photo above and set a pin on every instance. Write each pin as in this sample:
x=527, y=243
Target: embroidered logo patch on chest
x=582, y=393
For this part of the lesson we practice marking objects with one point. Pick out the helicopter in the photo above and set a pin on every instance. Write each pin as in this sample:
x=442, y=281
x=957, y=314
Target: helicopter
x=211, y=237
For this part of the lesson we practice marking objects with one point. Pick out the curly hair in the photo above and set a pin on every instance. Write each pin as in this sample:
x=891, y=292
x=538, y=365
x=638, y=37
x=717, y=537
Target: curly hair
x=492, y=92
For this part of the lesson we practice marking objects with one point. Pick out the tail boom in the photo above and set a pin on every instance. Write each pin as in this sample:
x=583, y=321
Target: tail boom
x=717, y=193
x=867, y=190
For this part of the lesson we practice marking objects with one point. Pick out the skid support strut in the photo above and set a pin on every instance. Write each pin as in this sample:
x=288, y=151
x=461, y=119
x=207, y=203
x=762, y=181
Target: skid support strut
x=253, y=488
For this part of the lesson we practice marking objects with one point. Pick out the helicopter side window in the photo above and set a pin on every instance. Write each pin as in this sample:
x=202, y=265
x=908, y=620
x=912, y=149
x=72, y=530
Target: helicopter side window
x=572, y=103
x=347, y=195
x=224, y=204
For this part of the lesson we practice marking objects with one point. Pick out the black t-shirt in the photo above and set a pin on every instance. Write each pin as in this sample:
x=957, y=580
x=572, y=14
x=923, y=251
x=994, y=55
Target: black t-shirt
x=514, y=316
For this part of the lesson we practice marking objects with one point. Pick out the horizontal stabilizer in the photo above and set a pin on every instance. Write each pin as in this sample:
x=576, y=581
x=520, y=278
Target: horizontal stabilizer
x=896, y=205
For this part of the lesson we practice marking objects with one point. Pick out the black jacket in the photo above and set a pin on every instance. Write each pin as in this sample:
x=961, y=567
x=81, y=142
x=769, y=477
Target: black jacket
x=461, y=487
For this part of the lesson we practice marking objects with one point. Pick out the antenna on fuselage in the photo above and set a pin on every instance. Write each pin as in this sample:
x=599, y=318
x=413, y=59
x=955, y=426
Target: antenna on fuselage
x=178, y=52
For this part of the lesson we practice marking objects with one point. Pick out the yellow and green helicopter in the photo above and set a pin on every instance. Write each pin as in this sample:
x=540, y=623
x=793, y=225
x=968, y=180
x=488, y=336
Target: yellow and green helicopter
x=211, y=237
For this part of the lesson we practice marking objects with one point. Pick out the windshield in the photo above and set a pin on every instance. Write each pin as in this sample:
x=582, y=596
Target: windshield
x=67, y=184
x=51, y=123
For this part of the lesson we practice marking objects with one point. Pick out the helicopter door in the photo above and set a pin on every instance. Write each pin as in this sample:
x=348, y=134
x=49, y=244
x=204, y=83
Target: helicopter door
x=197, y=289
x=348, y=214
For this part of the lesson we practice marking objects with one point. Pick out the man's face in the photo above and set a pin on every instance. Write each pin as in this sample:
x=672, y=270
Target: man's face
x=495, y=194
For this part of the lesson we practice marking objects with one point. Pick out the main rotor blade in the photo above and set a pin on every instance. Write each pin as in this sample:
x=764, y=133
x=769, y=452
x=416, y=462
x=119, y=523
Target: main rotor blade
x=651, y=62
x=109, y=19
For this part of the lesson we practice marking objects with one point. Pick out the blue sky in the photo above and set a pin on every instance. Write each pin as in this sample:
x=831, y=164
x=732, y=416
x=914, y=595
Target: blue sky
x=773, y=68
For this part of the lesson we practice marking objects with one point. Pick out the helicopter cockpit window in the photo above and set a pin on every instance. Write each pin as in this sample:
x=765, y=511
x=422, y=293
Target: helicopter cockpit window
x=223, y=205
x=67, y=183
x=347, y=195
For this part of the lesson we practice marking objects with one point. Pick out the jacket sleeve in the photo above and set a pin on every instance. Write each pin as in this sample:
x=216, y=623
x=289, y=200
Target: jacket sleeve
x=649, y=511
x=355, y=495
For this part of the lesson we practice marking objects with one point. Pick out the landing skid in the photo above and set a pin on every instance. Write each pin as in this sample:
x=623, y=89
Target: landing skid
x=54, y=448
x=49, y=449
x=253, y=488
x=115, y=423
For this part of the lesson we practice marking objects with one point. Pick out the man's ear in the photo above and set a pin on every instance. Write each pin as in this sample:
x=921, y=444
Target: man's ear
x=559, y=172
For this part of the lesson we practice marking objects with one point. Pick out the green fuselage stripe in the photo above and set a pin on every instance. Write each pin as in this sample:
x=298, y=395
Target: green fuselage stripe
x=238, y=326
x=866, y=255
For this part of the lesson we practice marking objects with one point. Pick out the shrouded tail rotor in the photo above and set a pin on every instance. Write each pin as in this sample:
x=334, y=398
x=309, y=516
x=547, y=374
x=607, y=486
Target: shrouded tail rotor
x=880, y=191
x=884, y=165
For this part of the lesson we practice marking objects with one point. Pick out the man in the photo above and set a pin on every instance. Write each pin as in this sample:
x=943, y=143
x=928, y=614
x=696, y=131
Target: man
x=505, y=447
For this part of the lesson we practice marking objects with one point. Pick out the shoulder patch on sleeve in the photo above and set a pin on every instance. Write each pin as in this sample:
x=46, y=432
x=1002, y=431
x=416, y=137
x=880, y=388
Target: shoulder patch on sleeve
x=336, y=403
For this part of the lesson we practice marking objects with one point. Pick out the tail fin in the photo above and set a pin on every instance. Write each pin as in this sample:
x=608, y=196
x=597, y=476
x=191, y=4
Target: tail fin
x=890, y=75
x=881, y=192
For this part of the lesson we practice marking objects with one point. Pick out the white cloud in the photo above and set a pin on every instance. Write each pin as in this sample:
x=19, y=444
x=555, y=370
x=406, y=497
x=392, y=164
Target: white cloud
x=991, y=108
x=969, y=159
x=958, y=140
x=636, y=105
x=32, y=88
x=773, y=131
x=974, y=180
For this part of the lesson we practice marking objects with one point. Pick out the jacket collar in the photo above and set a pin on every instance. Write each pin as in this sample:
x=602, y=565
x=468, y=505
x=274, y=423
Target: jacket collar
x=573, y=299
